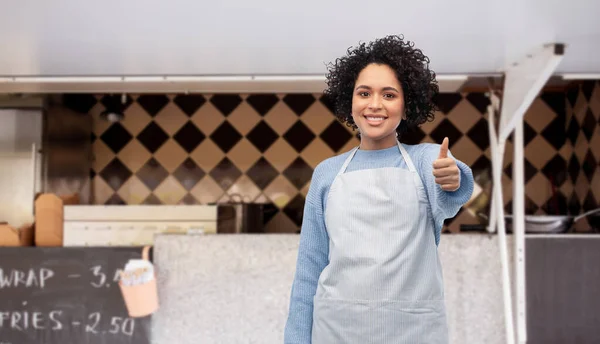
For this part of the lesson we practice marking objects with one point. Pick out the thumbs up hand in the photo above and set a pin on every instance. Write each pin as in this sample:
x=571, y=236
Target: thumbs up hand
x=445, y=171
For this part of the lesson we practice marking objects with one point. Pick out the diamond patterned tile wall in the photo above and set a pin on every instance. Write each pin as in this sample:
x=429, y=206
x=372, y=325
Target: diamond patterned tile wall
x=201, y=148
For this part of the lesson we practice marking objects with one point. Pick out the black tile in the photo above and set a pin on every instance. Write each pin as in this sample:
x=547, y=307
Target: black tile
x=482, y=166
x=328, y=103
x=115, y=101
x=589, y=203
x=413, y=136
x=189, y=174
x=116, y=137
x=152, y=137
x=92, y=173
x=574, y=168
x=189, y=200
x=298, y=173
x=262, y=136
x=115, y=200
x=93, y=137
x=556, y=170
x=479, y=101
x=225, y=173
x=299, y=136
x=226, y=103
x=446, y=129
x=530, y=170
x=226, y=137
x=262, y=103
x=299, y=102
x=115, y=174
x=556, y=205
x=530, y=207
x=588, y=126
x=189, y=137
x=556, y=101
x=153, y=103
x=587, y=89
x=152, y=200
x=262, y=173
x=572, y=94
x=528, y=133
x=269, y=212
x=479, y=134
x=447, y=101
x=589, y=165
x=555, y=133
x=573, y=130
x=152, y=174
x=295, y=209
x=81, y=103
x=574, y=204
x=189, y=103
x=335, y=136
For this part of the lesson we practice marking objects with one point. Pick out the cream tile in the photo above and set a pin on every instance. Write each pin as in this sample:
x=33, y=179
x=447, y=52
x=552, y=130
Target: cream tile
x=207, y=191
x=262, y=199
x=507, y=189
x=170, y=191
x=464, y=116
x=280, y=191
x=281, y=223
x=102, y=155
x=280, y=154
x=566, y=151
x=581, y=147
x=582, y=186
x=539, y=115
x=539, y=152
x=245, y=188
x=134, y=155
x=207, y=118
x=316, y=152
x=428, y=127
x=244, y=118
x=171, y=119
x=281, y=118
x=466, y=151
x=567, y=188
x=134, y=191
x=317, y=117
x=170, y=155
x=580, y=108
x=207, y=155
x=102, y=191
x=464, y=218
x=136, y=119
x=305, y=189
x=538, y=189
x=244, y=155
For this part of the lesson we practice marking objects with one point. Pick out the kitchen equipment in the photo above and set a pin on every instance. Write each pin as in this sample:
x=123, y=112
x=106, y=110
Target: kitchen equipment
x=240, y=216
x=550, y=224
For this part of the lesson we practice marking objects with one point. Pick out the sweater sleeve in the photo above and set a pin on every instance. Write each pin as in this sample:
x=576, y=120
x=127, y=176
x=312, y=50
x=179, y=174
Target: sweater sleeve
x=312, y=258
x=444, y=204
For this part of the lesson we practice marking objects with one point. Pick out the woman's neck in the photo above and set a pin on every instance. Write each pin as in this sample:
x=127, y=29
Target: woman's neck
x=383, y=143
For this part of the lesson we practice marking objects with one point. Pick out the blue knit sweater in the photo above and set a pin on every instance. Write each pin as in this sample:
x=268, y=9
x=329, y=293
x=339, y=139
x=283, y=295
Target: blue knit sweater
x=313, y=251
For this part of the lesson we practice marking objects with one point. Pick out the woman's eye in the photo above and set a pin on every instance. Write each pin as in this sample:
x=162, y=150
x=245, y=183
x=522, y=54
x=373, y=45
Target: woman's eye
x=389, y=95
x=364, y=94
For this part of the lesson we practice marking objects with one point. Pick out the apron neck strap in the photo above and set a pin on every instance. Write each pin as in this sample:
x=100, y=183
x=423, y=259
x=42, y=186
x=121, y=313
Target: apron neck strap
x=407, y=159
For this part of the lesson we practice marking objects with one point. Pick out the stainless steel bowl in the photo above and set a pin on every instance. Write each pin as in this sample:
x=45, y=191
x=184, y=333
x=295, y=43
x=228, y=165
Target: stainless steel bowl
x=549, y=224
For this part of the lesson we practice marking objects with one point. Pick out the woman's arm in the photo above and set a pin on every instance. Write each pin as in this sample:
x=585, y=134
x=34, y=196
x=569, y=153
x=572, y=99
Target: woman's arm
x=444, y=204
x=313, y=255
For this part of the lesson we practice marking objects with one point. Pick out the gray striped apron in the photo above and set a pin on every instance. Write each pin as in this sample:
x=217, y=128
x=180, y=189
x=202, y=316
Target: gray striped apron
x=384, y=281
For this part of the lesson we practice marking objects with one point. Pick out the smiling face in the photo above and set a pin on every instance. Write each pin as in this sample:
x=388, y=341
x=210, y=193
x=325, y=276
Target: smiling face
x=377, y=106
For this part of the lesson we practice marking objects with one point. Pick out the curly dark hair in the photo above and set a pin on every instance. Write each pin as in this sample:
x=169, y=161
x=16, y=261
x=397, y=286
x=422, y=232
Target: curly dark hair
x=418, y=82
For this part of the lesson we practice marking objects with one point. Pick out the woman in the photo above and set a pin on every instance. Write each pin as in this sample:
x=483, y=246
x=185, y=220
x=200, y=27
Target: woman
x=368, y=269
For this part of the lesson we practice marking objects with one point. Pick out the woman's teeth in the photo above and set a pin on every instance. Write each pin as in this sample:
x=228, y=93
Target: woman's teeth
x=375, y=119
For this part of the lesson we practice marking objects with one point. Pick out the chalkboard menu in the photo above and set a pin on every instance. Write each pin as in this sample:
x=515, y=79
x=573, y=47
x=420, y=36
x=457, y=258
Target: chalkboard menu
x=66, y=295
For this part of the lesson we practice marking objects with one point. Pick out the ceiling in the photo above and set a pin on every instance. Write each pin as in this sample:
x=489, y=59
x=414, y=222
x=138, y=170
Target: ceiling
x=270, y=37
